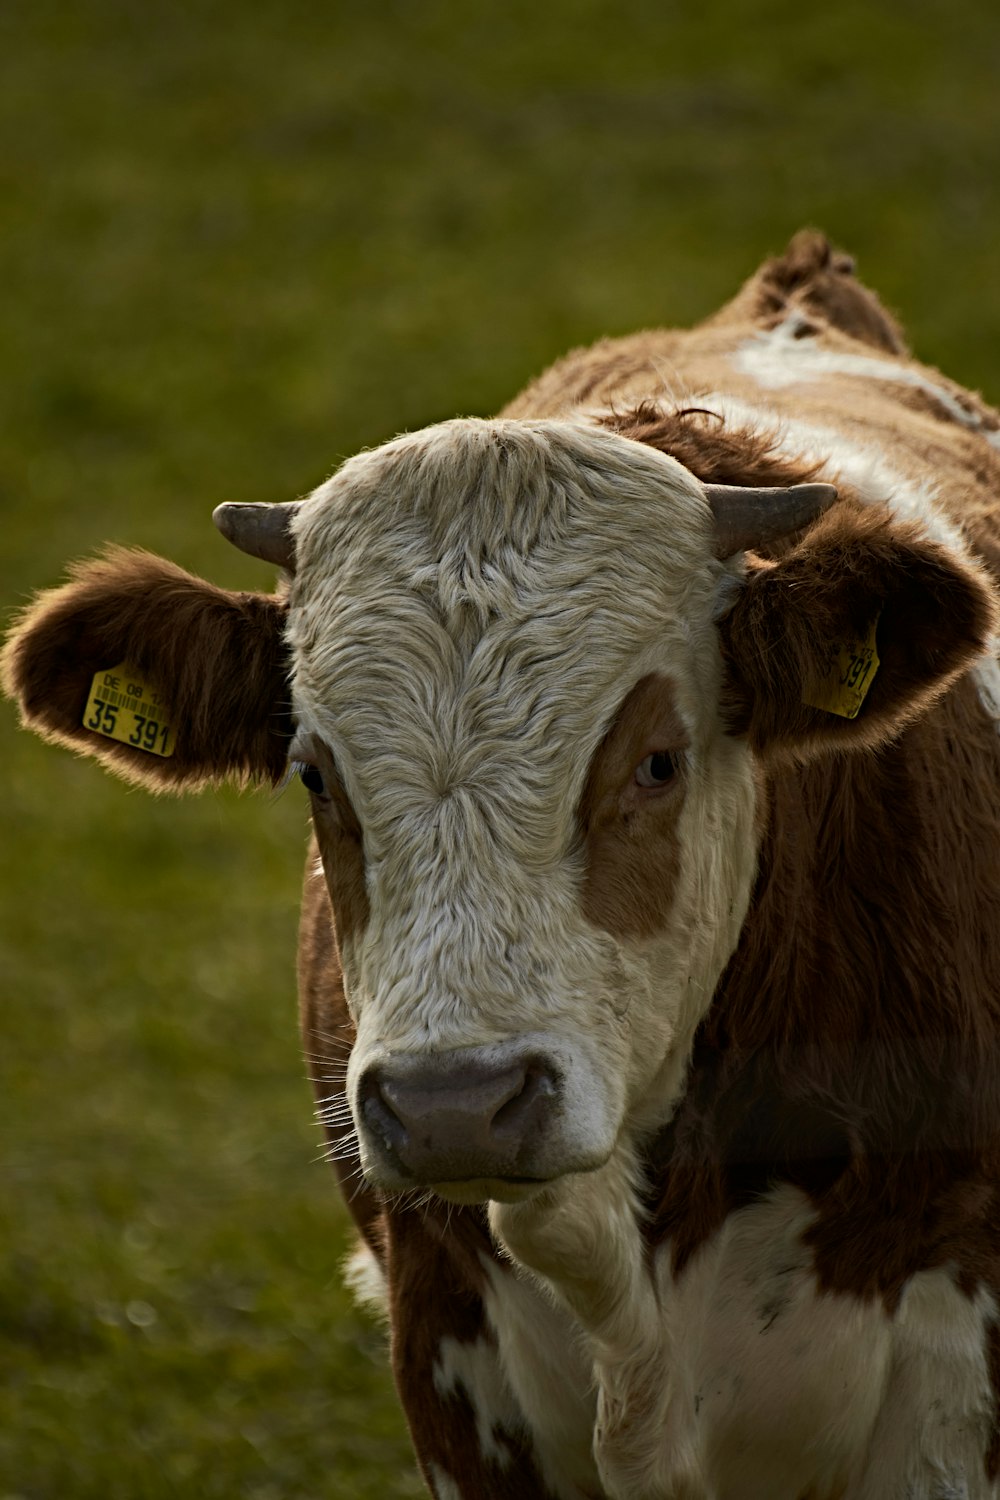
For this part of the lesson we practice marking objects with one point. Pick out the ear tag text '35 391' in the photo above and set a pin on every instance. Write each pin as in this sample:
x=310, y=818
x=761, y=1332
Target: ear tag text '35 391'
x=123, y=706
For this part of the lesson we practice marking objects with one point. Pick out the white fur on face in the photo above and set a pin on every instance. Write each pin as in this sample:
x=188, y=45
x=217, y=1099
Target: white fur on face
x=472, y=604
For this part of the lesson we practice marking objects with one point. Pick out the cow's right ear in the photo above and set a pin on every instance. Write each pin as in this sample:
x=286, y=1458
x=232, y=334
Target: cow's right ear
x=850, y=635
x=211, y=666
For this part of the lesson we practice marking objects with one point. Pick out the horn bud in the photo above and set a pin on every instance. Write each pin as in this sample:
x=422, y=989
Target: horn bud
x=751, y=517
x=263, y=531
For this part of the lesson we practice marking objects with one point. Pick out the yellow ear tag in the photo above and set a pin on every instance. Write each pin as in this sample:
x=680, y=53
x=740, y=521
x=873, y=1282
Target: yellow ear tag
x=848, y=673
x=123, y=706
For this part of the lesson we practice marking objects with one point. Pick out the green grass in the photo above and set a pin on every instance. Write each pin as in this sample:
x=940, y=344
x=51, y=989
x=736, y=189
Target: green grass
x=239, y=243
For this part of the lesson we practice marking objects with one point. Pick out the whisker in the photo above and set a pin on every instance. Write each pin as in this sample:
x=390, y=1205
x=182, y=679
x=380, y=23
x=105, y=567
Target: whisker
x=339, y=1124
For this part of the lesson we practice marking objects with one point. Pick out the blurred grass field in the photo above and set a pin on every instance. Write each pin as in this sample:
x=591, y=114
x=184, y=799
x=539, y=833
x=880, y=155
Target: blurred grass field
x=237, y=245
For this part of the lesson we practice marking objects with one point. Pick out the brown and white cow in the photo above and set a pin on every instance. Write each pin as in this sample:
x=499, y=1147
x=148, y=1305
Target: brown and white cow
x=651, y=961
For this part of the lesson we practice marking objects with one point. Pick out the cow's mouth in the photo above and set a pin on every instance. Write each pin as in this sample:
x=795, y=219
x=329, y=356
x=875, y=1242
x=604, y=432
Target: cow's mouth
x=473, y=1190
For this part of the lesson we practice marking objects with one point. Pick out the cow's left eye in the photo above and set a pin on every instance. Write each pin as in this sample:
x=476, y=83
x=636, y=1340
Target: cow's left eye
x=656, y=770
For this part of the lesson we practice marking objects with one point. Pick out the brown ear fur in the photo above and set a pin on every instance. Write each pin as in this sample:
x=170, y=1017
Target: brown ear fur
x=714, y=453
x=217, y=659
x=935, y=616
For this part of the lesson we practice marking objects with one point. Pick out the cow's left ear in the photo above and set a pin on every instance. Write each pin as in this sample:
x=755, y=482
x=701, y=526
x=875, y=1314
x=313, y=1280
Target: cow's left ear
x=168, y=680
x=850, y=636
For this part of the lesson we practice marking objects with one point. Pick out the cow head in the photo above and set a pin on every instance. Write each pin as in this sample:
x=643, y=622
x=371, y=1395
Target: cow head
x=529, y=678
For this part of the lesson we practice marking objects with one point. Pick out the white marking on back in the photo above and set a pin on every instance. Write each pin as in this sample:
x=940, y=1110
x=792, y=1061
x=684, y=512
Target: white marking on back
x=783, y=356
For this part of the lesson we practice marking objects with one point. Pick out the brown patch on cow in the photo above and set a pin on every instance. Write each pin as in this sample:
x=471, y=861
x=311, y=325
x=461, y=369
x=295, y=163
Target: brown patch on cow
x=630, y=836
x=218, y=658
x=605, y=365
x=341, y=847
x=851, y=1045
x=816, y=280
x=714, y=453
x=934, y=616
x=594, y=376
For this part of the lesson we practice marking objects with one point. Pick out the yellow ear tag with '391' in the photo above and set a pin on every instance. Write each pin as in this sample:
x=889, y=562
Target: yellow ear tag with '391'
x=123, y=706
x=846, y=676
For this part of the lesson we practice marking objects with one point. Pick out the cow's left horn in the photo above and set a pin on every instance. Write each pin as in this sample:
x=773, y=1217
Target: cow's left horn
x=753, y=517
x=263, y=531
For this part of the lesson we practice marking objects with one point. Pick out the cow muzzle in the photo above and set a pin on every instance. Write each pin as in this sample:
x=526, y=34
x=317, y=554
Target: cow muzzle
x=479, y=1114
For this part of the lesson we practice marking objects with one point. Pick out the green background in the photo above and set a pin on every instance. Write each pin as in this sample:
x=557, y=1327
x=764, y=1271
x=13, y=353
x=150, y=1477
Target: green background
x=238, y=243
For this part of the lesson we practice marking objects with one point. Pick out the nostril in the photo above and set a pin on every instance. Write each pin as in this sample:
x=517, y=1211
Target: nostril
x=379, y=1116
x=528, y=1105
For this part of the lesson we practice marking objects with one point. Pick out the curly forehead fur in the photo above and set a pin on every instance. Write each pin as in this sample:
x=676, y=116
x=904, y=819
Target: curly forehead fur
x=481, y=584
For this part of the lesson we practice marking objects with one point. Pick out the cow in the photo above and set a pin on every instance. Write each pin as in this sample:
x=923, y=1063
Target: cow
x=650, y=946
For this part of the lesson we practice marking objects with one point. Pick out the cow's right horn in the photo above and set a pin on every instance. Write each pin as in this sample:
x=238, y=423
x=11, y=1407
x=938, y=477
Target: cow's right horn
x=751, y=517
x=263, y=531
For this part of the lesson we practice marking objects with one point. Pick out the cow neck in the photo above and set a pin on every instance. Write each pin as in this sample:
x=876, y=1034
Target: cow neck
x=851, y=1047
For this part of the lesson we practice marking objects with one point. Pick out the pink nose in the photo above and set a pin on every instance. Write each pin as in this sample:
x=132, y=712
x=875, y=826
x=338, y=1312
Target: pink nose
x=468, y=1114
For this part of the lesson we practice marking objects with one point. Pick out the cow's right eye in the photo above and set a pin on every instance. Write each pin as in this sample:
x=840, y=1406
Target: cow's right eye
x=312, y=780
x=656, y=771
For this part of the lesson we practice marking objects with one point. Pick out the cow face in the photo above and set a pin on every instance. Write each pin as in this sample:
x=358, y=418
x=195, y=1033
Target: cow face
x=533, y=703
x=536, y=835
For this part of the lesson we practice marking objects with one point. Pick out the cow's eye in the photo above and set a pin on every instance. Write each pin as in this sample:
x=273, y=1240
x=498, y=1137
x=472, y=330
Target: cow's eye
x=656, y=770
x=311, y=779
